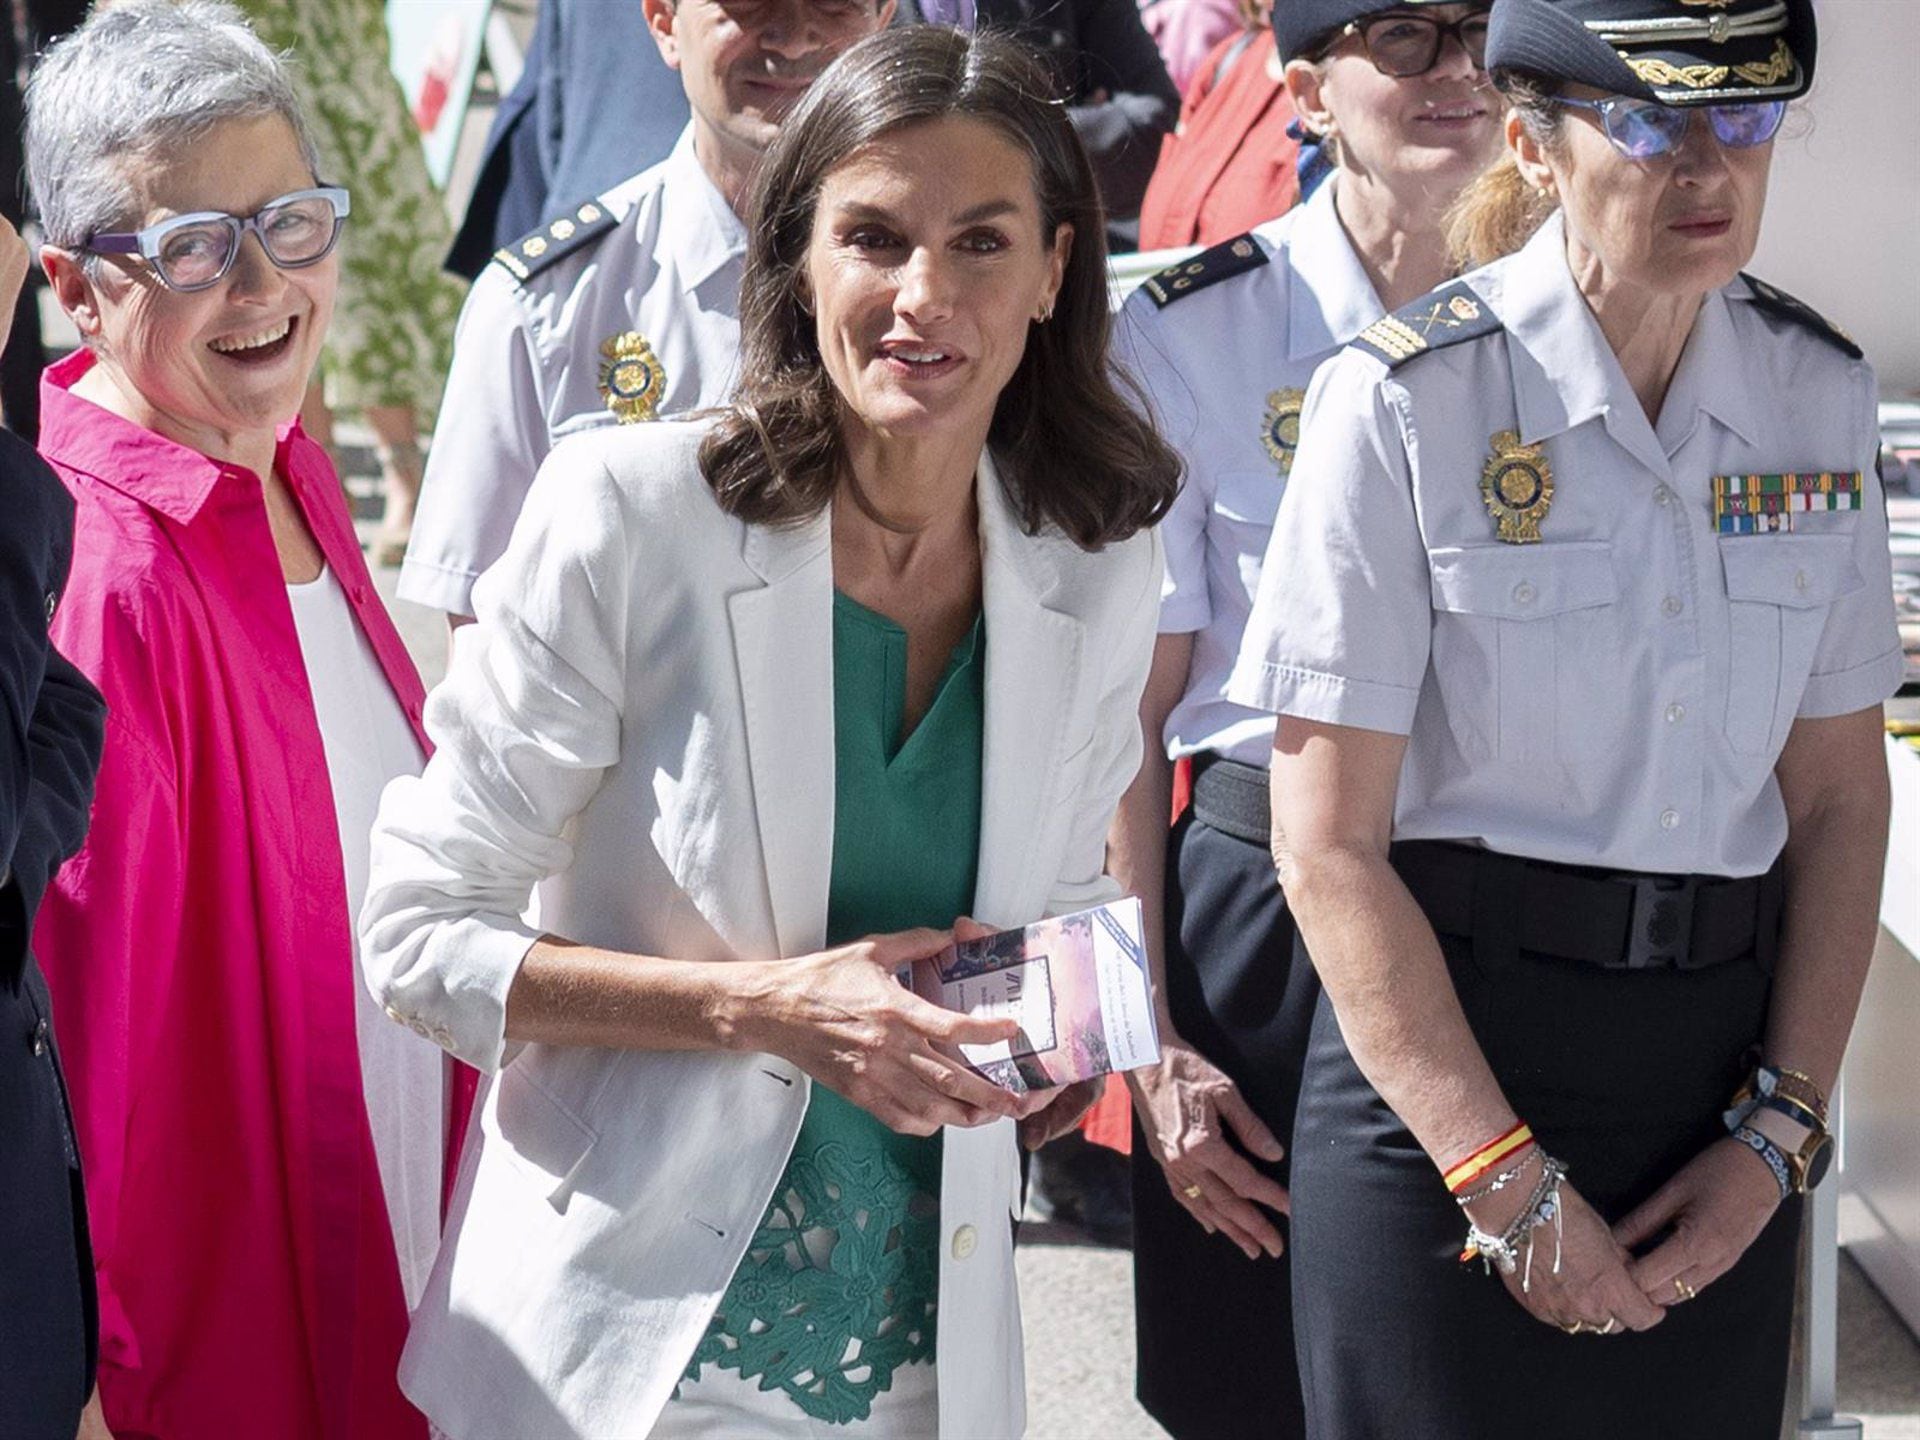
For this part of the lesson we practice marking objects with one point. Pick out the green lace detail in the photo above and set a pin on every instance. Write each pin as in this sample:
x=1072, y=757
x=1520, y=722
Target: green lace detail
x=839, y=1284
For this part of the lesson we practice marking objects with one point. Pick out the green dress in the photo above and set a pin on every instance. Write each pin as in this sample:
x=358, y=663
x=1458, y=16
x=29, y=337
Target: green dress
x=391, y=341
x=840, y=1285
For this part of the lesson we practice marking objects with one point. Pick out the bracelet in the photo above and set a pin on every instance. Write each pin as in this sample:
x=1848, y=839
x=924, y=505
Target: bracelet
x=1499, y=1182
x=1769, y=1152
x=1512, y=1248
x=1814, y=1099
x=1486, y=1157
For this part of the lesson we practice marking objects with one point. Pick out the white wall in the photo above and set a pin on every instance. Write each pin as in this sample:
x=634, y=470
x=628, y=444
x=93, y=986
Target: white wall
x=1843, y=216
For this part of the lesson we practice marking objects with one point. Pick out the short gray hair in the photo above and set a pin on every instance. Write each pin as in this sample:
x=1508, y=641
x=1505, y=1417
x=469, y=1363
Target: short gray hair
x=140, y=79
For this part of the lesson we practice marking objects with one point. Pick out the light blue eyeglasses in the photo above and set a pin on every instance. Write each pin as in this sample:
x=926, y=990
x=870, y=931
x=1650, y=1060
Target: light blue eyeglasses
x=1645, y=130
x=194, y=252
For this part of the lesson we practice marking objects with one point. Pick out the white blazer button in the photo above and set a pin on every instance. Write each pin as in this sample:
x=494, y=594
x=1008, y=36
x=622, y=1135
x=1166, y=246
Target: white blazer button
x=1523, y=593
x=966, y=1240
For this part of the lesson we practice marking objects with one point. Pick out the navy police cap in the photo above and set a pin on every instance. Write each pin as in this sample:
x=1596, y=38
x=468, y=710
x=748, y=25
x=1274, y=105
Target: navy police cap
x=1679, y=52
x=1301, y=26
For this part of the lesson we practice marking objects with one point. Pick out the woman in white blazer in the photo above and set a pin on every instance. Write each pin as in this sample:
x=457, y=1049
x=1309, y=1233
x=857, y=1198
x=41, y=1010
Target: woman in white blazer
x=693, y=716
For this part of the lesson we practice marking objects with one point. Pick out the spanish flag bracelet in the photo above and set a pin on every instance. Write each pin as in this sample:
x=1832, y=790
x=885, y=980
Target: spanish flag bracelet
x=1486, y=1157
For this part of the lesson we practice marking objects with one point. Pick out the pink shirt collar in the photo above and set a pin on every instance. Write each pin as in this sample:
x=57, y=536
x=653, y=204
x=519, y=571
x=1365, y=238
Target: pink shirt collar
x=159, y=473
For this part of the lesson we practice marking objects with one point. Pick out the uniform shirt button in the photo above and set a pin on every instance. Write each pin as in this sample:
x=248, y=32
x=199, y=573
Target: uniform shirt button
x=1800, y=580
x=40, y=1039
x=965, y=1240
x=1676, y=712
x=1671, y=605
x=1523, y=593
x=1663, y=496
x=1669, y=819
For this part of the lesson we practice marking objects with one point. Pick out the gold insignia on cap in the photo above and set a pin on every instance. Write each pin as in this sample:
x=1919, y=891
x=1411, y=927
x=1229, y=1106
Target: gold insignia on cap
x=534, y=247
x=1715, y=4
x=1656, y=71
x=632, y=379
x=1518, y=488
x=1280, y=427
x=561, y=229
x=587, y=213
x=1463, y=308
x=1242, y=248
x=1771, y=71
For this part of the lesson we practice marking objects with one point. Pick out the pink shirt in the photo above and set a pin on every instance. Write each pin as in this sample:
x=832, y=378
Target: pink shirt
x=200, y=956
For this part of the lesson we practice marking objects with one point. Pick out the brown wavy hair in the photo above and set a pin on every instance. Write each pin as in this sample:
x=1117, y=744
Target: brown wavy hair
x=1071, y=451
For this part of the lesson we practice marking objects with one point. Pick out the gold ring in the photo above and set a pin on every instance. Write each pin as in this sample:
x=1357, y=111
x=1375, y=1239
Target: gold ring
x=1682, y=1289
x=1193, y=1192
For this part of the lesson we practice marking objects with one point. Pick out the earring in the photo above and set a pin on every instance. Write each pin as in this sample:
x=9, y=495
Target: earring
x=1046, y=313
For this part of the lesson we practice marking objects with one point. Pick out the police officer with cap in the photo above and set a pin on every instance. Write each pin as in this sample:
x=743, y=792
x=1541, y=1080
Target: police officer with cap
x=1225, y=345
x=625, y=308
x=1578, y=620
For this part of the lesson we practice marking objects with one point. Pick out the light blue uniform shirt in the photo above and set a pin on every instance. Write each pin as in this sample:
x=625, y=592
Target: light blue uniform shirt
x=531, y=361
x=1212, y=363
x=1617, y=694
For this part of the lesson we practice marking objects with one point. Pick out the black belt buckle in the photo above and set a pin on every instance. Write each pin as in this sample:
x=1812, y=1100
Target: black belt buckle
x=1660, y=929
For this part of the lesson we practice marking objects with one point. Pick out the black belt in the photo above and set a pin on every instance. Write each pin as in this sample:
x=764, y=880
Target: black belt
x=1620, y=921
x=1232, y=798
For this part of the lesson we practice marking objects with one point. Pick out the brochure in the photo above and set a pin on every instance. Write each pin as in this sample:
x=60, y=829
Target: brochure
x=1076, y=983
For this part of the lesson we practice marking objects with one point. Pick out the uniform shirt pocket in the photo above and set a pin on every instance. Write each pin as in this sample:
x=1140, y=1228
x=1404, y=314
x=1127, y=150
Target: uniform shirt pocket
x=1779, y=590
x=1505, y=614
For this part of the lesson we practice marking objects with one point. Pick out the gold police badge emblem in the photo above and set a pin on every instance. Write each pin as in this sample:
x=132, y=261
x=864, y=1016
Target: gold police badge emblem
x=632, y=379
x=1280, y=427
x=1518, y=488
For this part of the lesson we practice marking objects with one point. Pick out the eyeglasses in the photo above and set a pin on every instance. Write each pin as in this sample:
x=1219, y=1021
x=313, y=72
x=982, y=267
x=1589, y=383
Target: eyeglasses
x=1645, y=130
x=1407, y=45
x=194, y=252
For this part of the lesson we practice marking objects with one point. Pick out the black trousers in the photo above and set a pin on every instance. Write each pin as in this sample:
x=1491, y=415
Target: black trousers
x=47, y=1320
x=1213, y=1328
x=1623, y=1075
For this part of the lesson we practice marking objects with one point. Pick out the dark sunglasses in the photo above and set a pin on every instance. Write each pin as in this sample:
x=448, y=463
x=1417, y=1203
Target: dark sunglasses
x=1645, y=130
x=1404, y=45
x=194, y=252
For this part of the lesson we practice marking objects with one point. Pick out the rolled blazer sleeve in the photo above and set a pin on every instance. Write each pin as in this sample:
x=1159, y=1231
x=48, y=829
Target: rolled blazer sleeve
x=1116, y=745
x=1344, y=617
x=525, y=726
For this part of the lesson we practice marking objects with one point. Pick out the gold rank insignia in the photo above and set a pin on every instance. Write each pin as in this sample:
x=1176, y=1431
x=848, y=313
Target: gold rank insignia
x=632, y=378
x=1280, y=427
x=1518, y=488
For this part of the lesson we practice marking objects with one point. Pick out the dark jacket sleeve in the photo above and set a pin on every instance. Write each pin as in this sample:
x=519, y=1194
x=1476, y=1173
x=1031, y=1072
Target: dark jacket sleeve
x=51, y=715
x=1122, y=131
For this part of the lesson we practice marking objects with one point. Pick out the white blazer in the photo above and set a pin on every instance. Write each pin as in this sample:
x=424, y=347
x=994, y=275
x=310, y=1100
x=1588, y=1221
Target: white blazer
x=642, y=726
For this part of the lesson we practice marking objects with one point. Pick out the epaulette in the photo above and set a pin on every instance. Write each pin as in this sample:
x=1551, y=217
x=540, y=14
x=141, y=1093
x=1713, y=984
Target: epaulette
x=1209, y=267
x=1436, y=320
x=554, y=241
x=1778, y=302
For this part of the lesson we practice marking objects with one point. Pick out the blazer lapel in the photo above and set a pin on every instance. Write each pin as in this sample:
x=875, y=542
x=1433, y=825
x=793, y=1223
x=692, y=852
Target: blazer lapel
x=1035, y=665
x=783, y=643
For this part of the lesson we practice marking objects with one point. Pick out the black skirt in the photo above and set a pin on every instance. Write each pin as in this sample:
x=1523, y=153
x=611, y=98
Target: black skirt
x=1622, y=1074
x=1215, y=1329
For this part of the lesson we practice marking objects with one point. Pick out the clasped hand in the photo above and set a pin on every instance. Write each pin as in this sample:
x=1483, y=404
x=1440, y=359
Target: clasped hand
x=1712, y=1209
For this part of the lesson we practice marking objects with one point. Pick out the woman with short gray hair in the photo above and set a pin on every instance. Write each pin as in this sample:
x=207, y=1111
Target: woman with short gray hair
x=263, y=1150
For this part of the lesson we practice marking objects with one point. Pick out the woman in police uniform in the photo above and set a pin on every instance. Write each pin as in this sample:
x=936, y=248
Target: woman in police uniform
x=1224, y=345
x=1577, y=617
